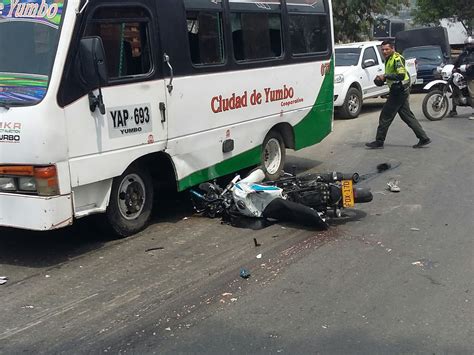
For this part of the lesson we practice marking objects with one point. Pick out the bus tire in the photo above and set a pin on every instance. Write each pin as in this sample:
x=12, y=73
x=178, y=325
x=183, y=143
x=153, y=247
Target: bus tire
x=352, y=104
x=131, y=202
x=273, y=155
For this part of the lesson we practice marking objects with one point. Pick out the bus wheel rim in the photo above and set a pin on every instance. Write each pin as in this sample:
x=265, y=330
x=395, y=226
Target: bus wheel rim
x=131, y=196
x=272, y=156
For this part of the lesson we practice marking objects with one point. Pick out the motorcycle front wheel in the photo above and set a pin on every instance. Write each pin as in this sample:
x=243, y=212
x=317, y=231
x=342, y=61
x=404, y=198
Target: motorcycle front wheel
x=435, y=105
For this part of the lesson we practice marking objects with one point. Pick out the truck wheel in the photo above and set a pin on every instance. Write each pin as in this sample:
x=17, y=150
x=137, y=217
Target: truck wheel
x=273, y=155
x=352, y=104
x=131, y=202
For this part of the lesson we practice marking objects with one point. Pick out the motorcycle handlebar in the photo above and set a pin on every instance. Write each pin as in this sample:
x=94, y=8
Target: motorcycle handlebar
x=336, y=176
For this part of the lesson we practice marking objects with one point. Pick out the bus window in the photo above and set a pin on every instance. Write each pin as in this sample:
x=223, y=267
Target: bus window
x=309, y=30
x=126, y=42
x=206, y=39
x=256, y=29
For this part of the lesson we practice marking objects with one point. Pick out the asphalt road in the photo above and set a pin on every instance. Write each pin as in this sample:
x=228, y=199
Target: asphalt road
x=392, y=276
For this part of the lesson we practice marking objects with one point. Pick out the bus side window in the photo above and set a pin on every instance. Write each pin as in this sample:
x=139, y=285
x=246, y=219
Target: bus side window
x=308, y=33
x=309, y=27
x=256, y=29
x=206, y=38
x=126, y=43
x=256, y=36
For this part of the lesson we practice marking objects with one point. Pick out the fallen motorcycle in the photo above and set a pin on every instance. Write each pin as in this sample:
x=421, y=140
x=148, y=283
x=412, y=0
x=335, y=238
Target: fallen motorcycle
x=304, y=200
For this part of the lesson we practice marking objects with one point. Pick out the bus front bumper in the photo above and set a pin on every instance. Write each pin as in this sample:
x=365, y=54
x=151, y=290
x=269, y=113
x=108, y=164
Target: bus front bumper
x=34, y=212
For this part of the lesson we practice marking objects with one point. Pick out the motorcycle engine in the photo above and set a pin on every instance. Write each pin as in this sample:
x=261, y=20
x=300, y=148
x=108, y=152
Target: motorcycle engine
x=458, y=80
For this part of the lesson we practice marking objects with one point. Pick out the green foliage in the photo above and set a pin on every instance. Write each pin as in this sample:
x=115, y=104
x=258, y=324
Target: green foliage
x=353, y=19
x=431, y=11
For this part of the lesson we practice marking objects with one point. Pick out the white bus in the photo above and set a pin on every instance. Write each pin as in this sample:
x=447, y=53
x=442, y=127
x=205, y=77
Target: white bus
x=103, y=101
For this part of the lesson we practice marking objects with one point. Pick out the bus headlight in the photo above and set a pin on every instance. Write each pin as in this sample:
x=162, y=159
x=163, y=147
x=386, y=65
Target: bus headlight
x=27, y=184
x=40, y=180
x=7, y=184
x=339, y=78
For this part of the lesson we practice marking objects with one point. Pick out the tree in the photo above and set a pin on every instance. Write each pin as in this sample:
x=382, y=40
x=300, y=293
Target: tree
x=353, y=19
x=431, y=11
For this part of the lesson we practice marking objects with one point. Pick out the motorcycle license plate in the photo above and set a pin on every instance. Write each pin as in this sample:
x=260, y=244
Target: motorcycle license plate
x=419, y=81
x=347, y=193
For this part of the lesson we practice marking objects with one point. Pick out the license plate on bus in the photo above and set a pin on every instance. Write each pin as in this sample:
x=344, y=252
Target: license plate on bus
x=347, y=193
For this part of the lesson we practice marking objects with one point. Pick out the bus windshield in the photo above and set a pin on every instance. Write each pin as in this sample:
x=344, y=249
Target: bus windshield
x=29, y=35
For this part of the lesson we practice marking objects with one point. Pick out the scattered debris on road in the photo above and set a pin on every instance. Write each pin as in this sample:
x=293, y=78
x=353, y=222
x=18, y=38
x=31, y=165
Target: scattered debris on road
x=257, y=244
x=245, y=274
x=425, y=264
x=393, y=185
x=3, y=280
x=383, y=167
x=415, y=229
x=153, y=249
x=259, y=256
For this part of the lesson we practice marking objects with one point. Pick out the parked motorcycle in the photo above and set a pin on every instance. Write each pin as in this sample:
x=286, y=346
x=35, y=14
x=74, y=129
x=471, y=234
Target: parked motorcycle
x=304, y=200
x=452, y=86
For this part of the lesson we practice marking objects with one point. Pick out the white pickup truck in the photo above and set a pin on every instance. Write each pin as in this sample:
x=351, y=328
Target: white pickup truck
x=357, y=65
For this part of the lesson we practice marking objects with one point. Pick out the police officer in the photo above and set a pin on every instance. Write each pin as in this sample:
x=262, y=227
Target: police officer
x=398, y=80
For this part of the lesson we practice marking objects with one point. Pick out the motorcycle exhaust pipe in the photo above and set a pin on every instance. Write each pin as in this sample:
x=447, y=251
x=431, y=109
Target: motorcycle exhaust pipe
x=362, y=195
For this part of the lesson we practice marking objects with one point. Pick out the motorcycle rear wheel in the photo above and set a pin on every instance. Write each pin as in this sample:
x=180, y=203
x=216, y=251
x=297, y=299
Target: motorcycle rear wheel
x=435, y=105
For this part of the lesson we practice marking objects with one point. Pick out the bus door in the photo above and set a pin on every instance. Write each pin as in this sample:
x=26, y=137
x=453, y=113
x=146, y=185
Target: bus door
x=135, y=95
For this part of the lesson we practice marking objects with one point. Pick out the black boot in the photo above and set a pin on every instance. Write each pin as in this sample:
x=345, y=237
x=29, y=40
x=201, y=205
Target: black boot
x=374, y=145
x=422, y=143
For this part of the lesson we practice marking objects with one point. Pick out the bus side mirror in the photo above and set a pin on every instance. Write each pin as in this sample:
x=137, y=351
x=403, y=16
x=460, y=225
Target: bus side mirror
x=93, y=69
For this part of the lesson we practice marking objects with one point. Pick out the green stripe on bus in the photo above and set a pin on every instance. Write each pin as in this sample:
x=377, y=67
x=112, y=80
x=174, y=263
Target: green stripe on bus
x=311, y=130
x=243, y=160
x=317, y=124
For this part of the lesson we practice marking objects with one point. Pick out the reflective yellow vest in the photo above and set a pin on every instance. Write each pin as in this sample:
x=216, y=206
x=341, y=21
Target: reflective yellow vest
x=395, y=64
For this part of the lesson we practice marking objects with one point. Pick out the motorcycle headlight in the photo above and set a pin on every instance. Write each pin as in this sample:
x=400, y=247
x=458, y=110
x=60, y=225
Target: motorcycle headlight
x=339, y=78
x=7, y=184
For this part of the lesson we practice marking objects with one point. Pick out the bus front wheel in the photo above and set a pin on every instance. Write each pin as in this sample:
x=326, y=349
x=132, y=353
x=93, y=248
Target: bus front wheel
x=131, y=202
x=273, y=155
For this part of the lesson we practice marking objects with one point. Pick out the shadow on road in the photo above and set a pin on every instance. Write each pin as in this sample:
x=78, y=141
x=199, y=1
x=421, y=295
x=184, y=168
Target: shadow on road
x=298, y=165
x=41, y=249
x=50, y=248
x=367, y=108
x=271, y=333
x=348, y=215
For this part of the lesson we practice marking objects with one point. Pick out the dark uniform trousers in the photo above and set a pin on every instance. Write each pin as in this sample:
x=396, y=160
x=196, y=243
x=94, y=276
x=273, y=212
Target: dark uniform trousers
x=398, y=103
